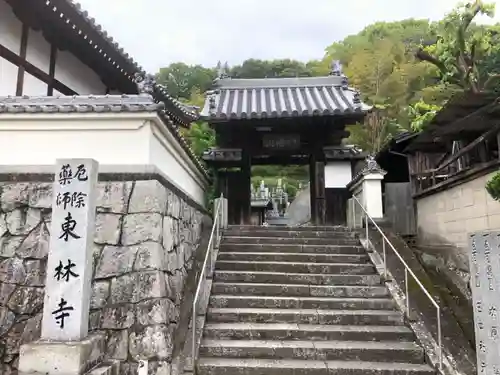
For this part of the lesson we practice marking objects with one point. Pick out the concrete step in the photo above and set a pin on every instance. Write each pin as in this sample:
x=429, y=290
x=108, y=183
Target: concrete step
x=305, y=316
x=296, y=267
x=294, y=331
x=299, y=257
x=324, y=303
x=407, y=352
x=291, y=248
x=333, y=228
x=290, y=233
x=232, y=366
x=295, y=278
x=283, y=240
x=264, y=289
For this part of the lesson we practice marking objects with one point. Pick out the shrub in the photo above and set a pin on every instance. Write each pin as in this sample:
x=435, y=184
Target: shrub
x=493, y=186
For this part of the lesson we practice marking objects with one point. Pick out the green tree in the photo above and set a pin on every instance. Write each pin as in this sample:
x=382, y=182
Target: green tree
x=254, y=68
x=461, y=47
x=180, y=79
x=420, y=114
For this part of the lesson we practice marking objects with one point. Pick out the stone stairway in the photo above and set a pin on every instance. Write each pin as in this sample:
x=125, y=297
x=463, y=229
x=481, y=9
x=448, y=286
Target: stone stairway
x=302, y=301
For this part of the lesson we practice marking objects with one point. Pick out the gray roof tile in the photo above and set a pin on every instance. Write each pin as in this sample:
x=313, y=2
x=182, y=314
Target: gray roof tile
x=281, y=98
x=79, y=104
x=109, y=52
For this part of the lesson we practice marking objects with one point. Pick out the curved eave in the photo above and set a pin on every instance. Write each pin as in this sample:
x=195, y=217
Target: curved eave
x=286, y=115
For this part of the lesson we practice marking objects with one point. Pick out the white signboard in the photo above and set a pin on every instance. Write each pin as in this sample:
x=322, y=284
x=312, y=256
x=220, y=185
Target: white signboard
x=69, y=266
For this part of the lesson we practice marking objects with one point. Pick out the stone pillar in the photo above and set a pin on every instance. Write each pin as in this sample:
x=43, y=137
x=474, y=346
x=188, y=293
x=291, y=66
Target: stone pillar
x=485, y=270
x=372, y=194
x=367, y=184
x=65, y=347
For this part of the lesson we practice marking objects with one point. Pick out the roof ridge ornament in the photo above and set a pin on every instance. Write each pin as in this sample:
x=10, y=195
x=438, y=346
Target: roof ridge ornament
x=145, y=83
x=372, y=166
x=222, y=70
x=356, y=99
x=336, y=68
x=336, y=71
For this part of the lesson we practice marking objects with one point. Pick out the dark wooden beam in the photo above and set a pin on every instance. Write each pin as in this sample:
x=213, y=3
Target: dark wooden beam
x=57, y=31
x=246, y=178
x=22, y=54
x=319, y=185
x=15, y=59
x=52, y=69
x=312, y=187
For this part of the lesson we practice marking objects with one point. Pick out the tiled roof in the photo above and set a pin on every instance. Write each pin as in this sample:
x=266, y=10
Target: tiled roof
x=343, y=152
x=83, y=16
x=79, y=104
x=281, y=98
x=96, y=104
x=83, y=33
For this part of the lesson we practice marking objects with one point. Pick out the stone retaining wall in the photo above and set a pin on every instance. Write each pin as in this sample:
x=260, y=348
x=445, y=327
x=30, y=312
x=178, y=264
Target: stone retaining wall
x=145, y=242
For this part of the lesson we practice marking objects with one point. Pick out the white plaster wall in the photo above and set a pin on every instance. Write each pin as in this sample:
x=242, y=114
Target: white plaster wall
x=33, y=86
x=372, y=195
x=8, y=78
x=173, y=164
x=115, y=140
x=447, y=217
x=10, y=28
x=338, y=174
x=42, y=142
x=77, y=76
x=69, y=69
x=38, y=51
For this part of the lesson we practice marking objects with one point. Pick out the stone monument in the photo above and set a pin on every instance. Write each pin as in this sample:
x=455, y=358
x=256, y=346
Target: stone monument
x=69, y=265
x=65, y=347
x=485, y=278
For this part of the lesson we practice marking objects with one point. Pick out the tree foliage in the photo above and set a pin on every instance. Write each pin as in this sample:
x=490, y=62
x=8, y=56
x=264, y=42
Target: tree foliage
x=420, y=114
x=461, y=47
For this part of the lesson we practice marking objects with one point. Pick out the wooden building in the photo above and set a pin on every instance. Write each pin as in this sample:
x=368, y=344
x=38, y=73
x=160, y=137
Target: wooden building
x=460, y=141
x=279, y=121
x=397, y=197
x=53, y=47
x=435, y=182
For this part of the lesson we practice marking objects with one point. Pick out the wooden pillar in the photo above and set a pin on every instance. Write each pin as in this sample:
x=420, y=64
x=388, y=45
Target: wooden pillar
x=318, y=196
x=320, y=193
x=219, y=184
x=246, y=179
x=483, y=152
x=312, y=187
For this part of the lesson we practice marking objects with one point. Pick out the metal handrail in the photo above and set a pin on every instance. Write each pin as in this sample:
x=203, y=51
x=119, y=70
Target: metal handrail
x=407, y=271
x=213, y=243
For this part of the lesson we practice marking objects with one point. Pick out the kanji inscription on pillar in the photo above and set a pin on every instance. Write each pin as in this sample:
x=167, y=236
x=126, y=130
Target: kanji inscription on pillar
x=484, y=251
x=69, y=265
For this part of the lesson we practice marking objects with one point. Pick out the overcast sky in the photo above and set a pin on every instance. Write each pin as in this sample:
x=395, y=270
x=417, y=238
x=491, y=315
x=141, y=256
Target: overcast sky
x=159, y=32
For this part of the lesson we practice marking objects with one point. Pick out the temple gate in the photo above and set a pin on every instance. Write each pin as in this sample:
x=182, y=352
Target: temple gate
x=280, y=121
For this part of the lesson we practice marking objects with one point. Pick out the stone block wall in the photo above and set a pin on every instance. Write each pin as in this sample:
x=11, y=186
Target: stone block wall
x=146, y=238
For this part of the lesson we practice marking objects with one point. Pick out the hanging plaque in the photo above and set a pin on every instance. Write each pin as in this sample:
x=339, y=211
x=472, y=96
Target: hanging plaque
x=281, y=141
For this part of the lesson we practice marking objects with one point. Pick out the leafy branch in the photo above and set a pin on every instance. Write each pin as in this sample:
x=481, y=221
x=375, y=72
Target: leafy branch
x=460, y=46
